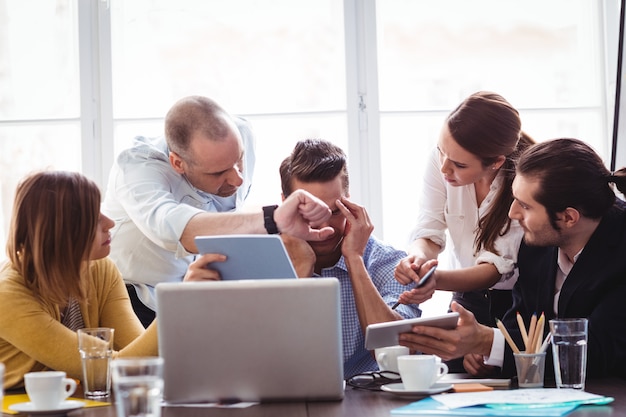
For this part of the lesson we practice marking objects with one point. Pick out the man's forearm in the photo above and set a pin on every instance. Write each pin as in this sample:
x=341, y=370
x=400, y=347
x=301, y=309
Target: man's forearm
x=206, y=224
x=371, y=307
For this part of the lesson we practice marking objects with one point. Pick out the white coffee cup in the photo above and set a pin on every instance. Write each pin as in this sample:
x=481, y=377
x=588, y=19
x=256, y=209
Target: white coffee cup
x=46, y=390
x=387, y=357
x=420, y=372
x=1, y=381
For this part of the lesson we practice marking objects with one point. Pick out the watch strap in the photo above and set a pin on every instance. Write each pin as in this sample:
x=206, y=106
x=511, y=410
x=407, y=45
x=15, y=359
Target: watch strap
x=268, y=218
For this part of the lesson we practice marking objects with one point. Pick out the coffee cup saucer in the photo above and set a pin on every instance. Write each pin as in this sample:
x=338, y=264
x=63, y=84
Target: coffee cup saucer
x=61, y=409
x=398, y=389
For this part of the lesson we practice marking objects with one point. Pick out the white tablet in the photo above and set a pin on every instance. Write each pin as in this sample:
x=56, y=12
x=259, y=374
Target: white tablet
x=248, y=256
x=386, y=334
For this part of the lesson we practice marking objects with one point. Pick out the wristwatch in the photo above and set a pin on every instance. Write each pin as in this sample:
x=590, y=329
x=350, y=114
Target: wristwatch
x=268, y=217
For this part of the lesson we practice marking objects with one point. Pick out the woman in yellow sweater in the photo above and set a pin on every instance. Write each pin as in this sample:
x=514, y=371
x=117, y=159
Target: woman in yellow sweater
x=58, y=279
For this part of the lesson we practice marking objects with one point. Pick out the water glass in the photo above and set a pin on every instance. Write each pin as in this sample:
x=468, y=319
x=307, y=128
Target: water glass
x=138, y=386
x=96, y=348
x=569, y=349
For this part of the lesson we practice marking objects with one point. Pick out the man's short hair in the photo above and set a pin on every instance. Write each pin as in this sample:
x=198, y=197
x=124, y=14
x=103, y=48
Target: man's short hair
x=189, y=115
x=314, y=160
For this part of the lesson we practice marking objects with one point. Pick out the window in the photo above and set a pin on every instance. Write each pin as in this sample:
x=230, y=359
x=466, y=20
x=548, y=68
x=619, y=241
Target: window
x=39, y=94
x=546, y=58
x=376, y=77
x=280, y=64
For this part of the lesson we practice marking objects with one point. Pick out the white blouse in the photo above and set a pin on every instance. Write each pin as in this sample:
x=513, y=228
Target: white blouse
x=455, y=209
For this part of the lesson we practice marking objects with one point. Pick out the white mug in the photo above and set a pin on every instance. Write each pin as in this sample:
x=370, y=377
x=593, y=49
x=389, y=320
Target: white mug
x=387, y=357
x=1, y=381
x=46, y=390
x=420, y=372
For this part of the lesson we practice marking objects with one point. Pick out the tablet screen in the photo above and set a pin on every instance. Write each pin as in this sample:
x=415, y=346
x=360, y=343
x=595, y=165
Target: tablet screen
x=386, y=334
x=248, y=256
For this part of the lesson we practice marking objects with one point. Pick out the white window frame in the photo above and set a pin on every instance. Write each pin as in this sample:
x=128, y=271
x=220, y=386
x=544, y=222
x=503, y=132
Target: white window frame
x=363, y=112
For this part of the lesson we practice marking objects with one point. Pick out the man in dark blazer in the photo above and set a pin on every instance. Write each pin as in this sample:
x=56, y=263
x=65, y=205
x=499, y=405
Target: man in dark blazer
x=572, y=263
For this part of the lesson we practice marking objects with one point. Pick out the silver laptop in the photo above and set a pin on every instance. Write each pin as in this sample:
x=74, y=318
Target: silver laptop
x=251, y=340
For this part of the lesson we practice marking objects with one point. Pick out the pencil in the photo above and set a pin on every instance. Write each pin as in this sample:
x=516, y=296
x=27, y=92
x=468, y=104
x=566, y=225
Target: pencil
x=532, y=327
x=539, y=333
x=507, y=336
x=522, y=329
x=546, y=341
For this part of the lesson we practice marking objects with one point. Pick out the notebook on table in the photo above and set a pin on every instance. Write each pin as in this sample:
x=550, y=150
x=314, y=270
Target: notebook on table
x=251, y=340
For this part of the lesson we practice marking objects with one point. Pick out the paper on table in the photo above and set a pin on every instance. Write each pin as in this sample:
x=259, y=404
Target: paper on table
x=520, y=403
x=430, y=407
x=533, y=397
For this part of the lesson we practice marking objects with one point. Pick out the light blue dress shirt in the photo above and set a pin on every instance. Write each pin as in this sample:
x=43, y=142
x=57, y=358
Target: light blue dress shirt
x=380, y=261
x=151, y=205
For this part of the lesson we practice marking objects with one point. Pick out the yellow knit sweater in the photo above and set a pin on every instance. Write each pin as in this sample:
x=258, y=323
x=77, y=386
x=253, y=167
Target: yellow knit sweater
x=32, y=337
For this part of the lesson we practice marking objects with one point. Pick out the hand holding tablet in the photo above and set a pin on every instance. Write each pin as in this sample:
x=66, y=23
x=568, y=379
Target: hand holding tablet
x=386, y=334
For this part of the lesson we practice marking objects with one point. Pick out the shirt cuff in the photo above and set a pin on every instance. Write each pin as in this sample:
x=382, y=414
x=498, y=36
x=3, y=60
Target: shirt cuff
x=496, y=356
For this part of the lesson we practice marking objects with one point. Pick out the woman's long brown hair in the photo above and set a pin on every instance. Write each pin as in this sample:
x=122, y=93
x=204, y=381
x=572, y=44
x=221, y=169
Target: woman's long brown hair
x=53, y=226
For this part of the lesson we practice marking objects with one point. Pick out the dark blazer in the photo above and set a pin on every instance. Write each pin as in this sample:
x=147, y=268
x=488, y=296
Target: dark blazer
x=595, y=288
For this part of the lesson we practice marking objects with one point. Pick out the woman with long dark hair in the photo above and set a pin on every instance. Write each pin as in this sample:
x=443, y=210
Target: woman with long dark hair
x=467, y=193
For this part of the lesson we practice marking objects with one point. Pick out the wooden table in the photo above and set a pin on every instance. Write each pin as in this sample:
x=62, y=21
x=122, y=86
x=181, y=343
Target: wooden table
x=360, y=403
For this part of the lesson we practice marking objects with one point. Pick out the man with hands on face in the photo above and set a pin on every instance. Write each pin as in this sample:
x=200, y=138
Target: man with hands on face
x=571, y=263
x=363, y=265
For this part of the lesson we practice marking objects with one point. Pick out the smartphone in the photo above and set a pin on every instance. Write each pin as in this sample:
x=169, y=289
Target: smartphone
x=420, y=283
x=426, y=277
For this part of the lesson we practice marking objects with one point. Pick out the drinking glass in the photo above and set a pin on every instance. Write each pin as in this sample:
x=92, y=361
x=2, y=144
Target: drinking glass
x=96, y=347
x=569, y=349
x=138, y=386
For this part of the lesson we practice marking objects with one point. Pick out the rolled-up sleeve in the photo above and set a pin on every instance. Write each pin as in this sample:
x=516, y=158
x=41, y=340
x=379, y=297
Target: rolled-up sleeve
x=506, y=259
x=431, y=222
x=144, y=189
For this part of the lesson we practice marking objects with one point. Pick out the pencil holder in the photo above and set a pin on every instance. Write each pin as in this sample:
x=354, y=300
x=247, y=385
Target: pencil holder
x=530, y=369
